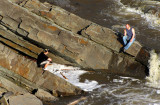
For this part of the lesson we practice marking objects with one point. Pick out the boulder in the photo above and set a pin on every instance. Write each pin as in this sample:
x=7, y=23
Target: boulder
x=102, y=36
x=44, y=95
x=26, y=99
x=10, y=86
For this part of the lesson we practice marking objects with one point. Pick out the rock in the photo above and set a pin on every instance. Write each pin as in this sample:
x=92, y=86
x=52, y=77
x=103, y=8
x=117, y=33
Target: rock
x=143, y=56
x=58, y=85
x=27, y=22
x=26, y=99
x=102, y=55
x=10, y=86
x=5, y=99
x=28, y=70
x=22, y=32
x=134, y=49
x=35, y=6
x=10, y=22
x=2, y=90
x=70, y=21
x=103, y=36
x=44, y=95
x=70, y=39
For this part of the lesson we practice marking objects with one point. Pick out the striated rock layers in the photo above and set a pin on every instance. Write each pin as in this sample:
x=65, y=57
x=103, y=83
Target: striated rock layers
x=21, y=76
x=28, y=26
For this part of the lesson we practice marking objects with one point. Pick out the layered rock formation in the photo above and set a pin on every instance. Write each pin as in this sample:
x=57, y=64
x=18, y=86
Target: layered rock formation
x=69, y=37
x=28, y=26
x=21, y=75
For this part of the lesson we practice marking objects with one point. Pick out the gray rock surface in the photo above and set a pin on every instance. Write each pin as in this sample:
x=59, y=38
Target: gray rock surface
x=71, y=39
x=26, y=99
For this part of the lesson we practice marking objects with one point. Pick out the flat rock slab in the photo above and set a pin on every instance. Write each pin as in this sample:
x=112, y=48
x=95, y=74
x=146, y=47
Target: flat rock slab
x=26, y=99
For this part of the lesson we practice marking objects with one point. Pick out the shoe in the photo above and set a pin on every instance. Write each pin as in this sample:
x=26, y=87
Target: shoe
x=121, y=50
x=44, y=69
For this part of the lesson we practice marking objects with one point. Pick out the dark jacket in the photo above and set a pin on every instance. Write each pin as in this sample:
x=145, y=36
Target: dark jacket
x=41, y=57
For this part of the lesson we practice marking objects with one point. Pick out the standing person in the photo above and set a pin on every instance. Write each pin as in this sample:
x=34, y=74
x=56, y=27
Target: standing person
x=43, y=60
x=128, y=38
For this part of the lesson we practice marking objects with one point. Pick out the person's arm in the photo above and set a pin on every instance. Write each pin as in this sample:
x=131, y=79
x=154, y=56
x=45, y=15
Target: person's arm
x=133, y=36
x=125, y=32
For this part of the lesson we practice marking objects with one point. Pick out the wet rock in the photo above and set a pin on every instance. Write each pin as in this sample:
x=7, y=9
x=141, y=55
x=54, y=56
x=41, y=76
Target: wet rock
x=124, y=65
x=143, y=56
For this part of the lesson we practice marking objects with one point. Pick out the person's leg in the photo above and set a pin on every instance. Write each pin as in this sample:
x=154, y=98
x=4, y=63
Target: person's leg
x=44, y=64
x=129, y=44
x=125, y=40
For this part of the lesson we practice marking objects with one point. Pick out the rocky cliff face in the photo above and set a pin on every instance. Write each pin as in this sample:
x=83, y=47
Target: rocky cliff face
x=31, y=25
x=28, y=26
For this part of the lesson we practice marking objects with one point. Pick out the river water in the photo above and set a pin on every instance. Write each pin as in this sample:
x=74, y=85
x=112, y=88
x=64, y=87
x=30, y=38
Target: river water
x=108, y=89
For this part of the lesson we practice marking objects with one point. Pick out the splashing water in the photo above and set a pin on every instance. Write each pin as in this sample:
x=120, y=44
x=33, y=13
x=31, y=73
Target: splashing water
x=153, y=20
x=73, y=76
x=154, y=70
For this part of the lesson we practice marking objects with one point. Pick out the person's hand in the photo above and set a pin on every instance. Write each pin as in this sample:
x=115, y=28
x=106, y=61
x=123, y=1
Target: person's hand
x=131, y=40
x=49, y=59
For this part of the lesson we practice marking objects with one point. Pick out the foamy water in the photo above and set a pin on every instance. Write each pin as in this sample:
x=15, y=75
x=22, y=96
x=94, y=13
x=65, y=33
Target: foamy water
x=73, y=76
x=154, y=70
x=153, y=20
x=114, y=89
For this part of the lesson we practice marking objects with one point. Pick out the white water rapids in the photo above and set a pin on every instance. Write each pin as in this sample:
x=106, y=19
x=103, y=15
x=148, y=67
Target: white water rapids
x=154, y=68
x=112, y=89
x=73, y=76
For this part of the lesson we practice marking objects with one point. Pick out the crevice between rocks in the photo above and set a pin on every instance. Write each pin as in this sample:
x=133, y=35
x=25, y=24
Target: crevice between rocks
x=80, y=31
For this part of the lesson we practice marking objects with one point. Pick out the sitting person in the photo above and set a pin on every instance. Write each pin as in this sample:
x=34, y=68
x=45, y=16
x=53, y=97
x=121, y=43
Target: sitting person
x=43, y=60
x=128, y=38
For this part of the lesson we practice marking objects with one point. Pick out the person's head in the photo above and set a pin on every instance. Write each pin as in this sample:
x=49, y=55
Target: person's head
x=128, y=26
x=46, y=51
